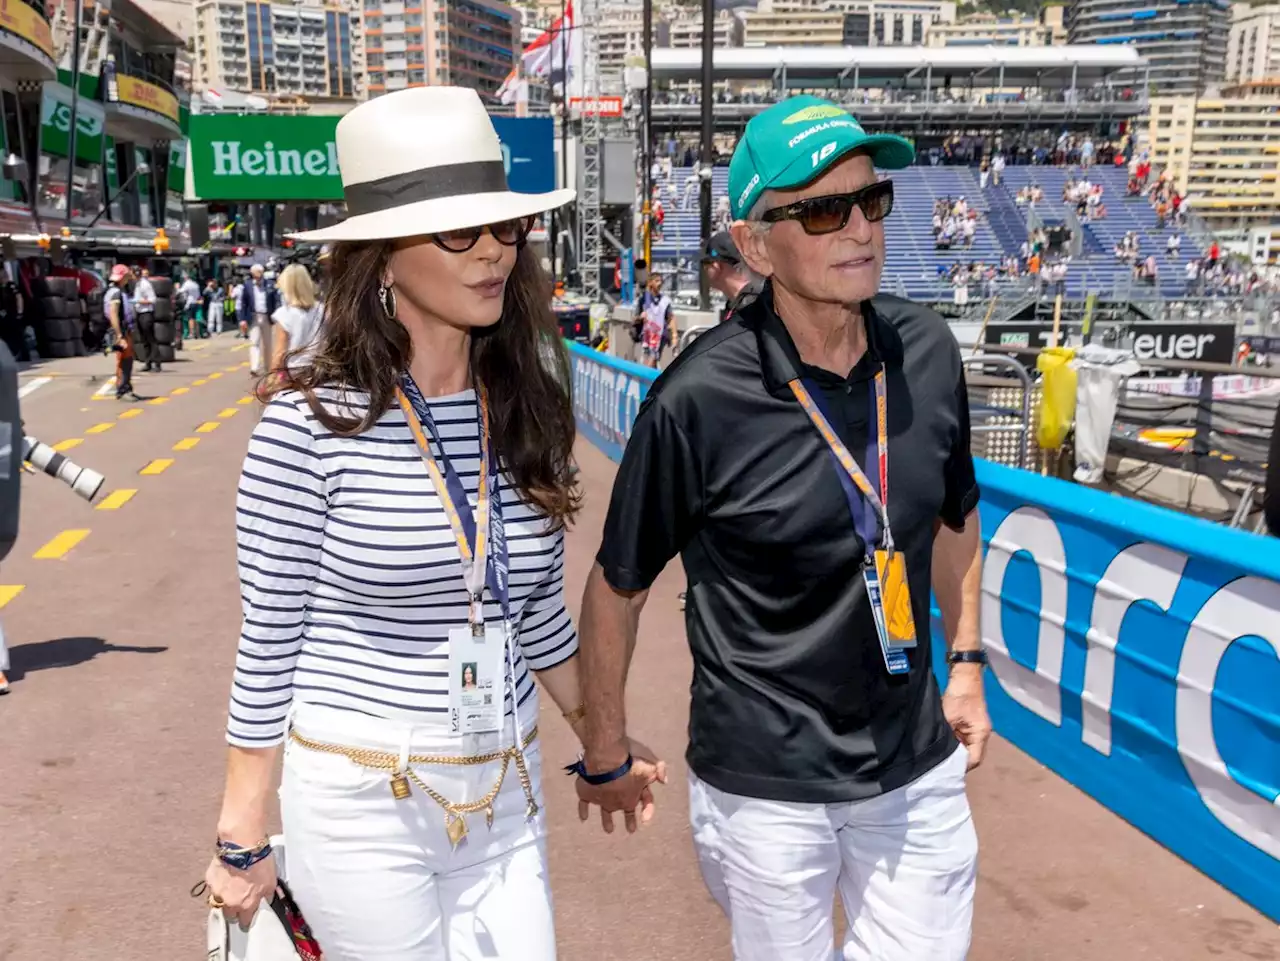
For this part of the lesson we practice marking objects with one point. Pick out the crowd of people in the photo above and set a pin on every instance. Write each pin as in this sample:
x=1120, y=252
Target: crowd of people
x=955, y=224
x=276, y=314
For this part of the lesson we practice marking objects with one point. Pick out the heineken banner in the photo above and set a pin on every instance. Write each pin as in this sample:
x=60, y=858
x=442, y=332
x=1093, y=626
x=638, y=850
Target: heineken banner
x=55, y=124
x=260, y=157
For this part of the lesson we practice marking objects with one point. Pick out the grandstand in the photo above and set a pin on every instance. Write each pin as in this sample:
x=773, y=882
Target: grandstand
x=913, y=89
x=925, y=93
x=913, y=265
x=1098, y=269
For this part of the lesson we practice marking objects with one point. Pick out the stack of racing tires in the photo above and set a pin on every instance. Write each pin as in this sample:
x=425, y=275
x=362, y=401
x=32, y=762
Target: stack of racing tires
x=162, y=333
x=95, y=319
x=55, y=316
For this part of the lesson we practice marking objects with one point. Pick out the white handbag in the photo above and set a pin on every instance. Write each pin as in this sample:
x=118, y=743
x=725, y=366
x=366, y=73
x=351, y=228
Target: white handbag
x=268, y=937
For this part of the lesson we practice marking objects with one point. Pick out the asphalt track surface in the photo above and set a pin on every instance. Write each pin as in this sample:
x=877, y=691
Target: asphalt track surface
x=111, y=750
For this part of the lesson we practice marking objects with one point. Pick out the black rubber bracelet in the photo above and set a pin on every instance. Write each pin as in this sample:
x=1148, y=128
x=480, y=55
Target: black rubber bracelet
x=966, y=657
x=580, y=769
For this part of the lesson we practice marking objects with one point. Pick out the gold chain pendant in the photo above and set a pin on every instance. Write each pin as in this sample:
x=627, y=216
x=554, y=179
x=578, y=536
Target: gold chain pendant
x=455, y=825
x=488, y=816
x=399, y=786
x=532, y=810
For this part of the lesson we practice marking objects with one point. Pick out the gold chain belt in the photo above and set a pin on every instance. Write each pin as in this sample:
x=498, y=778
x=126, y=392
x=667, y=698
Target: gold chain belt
x=455, y=821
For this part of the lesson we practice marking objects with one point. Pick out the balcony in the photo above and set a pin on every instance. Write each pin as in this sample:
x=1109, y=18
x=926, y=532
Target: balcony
x=26, y=44
x=141, y=108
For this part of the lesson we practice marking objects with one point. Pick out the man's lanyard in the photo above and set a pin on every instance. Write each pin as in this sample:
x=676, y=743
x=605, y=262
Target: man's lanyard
x=866, y=506
x=481, y=537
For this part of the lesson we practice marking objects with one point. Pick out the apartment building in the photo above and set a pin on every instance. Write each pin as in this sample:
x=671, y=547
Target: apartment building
x=290, y=52
x=890, y=23
x=791, y=23
x=1184, y=42
x=1253, y=44
x=468, y=43
x=681, y=26
x=1223, y=153
x=987, y=29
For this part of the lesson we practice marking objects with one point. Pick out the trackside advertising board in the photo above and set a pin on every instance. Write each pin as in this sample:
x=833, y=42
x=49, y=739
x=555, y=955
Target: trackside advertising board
x=1134, y=650
x=270, y=158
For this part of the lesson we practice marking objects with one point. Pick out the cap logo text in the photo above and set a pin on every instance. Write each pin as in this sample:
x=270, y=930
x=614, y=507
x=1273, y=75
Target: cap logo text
x=819, y=127
x=751, y=185
x=820, y=112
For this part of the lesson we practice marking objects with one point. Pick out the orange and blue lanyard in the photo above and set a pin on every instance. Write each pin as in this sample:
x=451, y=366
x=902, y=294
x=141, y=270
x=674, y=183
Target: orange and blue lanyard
x=867, y=506
x=480, y=534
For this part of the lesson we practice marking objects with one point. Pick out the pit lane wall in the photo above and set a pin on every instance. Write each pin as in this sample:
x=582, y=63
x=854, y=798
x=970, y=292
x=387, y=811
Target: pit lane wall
x=1134, y=650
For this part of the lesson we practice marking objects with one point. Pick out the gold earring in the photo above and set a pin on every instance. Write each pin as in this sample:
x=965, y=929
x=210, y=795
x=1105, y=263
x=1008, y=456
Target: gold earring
x=388, y=298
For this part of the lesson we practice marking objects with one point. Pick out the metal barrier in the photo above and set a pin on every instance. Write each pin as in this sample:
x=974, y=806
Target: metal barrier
x=1007, y=410
x=688, y=336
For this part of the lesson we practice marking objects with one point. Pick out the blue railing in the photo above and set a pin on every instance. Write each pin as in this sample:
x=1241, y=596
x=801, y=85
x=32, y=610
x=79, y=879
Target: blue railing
x=1134, y=650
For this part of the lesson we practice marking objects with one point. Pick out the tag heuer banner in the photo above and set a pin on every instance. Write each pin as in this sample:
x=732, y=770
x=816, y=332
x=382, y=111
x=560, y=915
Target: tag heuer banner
x=273, y=158
x=55, y=124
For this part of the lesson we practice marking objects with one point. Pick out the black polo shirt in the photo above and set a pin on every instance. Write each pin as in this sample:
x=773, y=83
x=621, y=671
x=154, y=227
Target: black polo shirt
x=791, y=698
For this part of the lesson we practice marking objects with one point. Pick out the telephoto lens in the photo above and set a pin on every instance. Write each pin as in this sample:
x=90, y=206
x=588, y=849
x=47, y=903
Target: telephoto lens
x=83, y=481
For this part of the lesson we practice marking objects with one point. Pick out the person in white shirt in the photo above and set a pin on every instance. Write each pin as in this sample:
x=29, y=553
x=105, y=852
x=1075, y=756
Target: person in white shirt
x=1174, y=245
x=237, y=291
x=144, y=305
x=189, y=293
x=296, y=321
x=997, y=168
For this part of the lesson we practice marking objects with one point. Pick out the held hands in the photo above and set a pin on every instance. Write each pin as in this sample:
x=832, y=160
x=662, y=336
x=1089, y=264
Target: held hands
x=965, y=707
x=631, y=794
x=239, y=893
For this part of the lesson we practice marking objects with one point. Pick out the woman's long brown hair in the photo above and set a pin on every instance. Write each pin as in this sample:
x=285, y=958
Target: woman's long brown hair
x=521, y=361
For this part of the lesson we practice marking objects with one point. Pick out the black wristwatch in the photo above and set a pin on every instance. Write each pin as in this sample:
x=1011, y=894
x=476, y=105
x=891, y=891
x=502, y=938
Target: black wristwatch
x=966, y=657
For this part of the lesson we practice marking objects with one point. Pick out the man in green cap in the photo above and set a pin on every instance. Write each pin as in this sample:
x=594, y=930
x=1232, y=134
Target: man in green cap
x=809, y=461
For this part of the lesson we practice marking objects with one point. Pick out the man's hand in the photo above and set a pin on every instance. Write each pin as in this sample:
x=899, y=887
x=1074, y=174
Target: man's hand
x=965, y=706
x=631, y=794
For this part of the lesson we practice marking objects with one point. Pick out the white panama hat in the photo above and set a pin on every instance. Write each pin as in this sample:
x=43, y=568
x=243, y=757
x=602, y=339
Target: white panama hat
x=423, y=161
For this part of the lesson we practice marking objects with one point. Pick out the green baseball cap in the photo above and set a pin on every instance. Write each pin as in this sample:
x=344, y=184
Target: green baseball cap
x=796, y=141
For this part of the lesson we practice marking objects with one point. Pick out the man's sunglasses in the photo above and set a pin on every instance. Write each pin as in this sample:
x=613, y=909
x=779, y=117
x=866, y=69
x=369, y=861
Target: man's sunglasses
x=826, y=215
x=509, y=233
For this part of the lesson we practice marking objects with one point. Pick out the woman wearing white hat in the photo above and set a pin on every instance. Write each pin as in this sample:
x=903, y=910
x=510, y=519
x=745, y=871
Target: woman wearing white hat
x=400, y=525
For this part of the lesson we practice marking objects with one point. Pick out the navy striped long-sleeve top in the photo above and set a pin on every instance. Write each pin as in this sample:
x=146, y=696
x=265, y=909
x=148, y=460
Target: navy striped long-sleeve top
x=350, y=575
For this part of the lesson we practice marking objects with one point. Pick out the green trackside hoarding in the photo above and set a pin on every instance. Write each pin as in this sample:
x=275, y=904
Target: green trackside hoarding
x=261, y=157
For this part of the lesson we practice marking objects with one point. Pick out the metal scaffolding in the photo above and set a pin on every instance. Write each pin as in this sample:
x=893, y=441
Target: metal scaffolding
x=591, y=141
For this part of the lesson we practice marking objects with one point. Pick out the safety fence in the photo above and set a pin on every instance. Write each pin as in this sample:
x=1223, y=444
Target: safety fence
x=1135, y=651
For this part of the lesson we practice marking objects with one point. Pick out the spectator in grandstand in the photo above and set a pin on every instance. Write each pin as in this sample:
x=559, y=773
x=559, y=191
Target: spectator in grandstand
x=659, y=218
x=822, y=757
x=1087, y=153
x=969, y=227
x=984, y=174
x=997, y=168
x=728, y=274
x=722, y=217
x=690, y=190
x=1173, y=246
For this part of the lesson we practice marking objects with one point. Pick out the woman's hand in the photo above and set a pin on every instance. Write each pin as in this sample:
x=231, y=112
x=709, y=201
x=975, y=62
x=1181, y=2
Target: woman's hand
x=240, y=892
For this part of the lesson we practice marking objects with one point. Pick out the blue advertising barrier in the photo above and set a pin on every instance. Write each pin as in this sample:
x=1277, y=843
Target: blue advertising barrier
x=1134, y=650
x=528, y=153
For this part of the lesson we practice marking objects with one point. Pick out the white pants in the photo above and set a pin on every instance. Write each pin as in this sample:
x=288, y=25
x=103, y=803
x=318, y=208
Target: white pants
x=259, y=331
x=905, y=864
x=214, y=320
x=377, y=879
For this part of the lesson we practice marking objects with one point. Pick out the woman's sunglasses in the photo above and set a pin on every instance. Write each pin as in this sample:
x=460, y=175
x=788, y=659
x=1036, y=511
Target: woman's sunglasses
x=826, y=215
x=509, y=233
